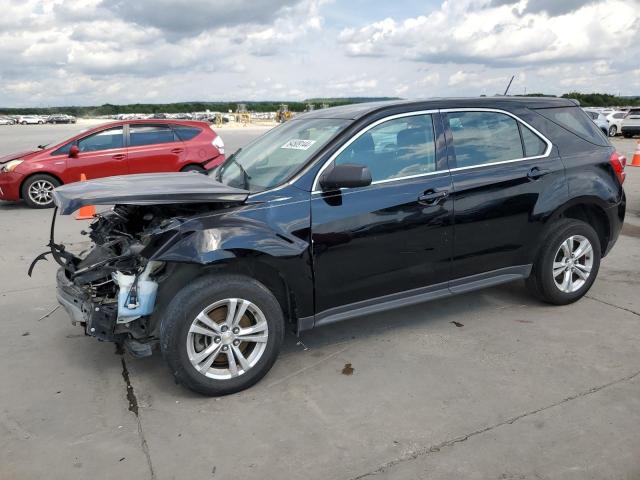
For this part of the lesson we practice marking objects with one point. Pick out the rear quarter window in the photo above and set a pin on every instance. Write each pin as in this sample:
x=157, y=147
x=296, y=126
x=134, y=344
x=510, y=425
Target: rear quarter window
x=575, y=120
x=186, y=133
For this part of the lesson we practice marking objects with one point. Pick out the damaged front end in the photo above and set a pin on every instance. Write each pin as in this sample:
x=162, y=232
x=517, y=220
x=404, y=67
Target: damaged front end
x=110, y=290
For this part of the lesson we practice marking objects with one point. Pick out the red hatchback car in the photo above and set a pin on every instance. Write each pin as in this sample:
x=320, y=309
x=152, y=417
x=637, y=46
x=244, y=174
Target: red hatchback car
x=117, y=148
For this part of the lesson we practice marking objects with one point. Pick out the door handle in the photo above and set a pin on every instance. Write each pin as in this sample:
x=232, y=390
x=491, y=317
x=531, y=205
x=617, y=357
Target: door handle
x=431, y=197
x=536, y=172
x=119, y=156
x=177, y=150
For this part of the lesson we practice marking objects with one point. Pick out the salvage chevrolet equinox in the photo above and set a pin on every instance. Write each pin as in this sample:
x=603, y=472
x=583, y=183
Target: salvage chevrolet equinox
x=341, y=213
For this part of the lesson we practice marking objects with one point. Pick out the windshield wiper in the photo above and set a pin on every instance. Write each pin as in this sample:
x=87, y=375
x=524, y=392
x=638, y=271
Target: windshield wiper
x=230, y=160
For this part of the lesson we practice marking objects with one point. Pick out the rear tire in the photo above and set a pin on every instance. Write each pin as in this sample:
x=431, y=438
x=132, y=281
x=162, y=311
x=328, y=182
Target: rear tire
x=194, y=168
x=37, y=190
x=197, y=322
x=567, y=264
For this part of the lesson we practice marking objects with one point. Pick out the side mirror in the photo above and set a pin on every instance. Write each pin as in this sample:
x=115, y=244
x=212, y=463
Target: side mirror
x=74, y=151
x=348, y=175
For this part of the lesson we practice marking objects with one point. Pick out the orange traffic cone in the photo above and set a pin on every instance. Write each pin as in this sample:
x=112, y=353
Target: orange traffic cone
x=635, y=161
x=88, y=211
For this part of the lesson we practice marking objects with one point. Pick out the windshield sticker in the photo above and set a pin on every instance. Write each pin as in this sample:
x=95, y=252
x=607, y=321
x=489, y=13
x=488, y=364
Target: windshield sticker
x=295, y=144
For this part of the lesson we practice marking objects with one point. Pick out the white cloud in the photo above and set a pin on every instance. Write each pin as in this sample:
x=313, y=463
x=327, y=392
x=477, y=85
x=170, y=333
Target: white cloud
x=115, y=51
x=501, y=36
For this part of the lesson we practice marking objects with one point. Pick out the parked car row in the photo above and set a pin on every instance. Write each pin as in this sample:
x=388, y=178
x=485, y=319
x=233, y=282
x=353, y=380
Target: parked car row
x=35, y=119
x=614, y=122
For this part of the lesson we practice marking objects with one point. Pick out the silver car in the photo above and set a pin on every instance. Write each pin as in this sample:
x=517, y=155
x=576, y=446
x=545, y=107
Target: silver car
x=600, y=120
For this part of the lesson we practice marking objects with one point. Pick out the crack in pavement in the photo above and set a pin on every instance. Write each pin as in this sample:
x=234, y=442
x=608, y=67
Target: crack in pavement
x=133, y=407
x=613, y=305
x=449, y=443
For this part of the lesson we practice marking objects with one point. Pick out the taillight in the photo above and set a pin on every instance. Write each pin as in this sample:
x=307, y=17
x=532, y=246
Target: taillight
x=618, y=162
x=219, y=144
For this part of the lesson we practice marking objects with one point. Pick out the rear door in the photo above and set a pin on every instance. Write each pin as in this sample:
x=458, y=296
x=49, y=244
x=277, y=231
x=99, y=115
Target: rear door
x=154, y=148
x=503, y=171
x=102, y=154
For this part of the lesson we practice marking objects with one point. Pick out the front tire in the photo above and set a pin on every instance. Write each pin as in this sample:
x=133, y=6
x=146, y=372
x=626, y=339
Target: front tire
x=37, y=191
x=567, y=264
x=221, y=334
x=613, y=131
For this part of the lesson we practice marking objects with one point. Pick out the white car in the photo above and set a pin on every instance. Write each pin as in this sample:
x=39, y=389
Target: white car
x=30, y=120
x=7, y=121
x=631, y=123
x=615, y=121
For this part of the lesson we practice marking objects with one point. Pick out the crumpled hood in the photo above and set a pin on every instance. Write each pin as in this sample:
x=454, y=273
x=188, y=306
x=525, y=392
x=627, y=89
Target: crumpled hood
x=13, y=156
x=146, y=189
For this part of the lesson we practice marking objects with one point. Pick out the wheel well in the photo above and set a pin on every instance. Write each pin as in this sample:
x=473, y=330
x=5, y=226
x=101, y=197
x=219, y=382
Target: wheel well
x=38, y=173
x=594, y=216
x=192, y=165
x=181, y=273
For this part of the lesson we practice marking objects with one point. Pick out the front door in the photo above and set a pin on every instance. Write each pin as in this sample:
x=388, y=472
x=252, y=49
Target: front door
x=394, y=235
x=501, y=169
x=154, y=148
x=102, y=154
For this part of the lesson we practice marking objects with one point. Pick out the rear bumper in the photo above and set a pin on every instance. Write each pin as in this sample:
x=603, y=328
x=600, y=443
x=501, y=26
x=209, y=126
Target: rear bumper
x=214, y=162
x=616, y=220
x=10, y=185
x=630, y=129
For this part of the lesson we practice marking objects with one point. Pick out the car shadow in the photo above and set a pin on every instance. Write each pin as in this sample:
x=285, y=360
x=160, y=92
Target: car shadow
x=457, y=311
x=13, y=206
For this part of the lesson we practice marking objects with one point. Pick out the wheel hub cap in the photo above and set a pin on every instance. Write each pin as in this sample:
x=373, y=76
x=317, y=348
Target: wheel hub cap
x=573, y=263
x=227, y=338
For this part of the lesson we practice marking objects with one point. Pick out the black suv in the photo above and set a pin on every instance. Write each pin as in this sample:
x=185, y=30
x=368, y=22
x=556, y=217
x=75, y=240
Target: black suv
x=339, y=213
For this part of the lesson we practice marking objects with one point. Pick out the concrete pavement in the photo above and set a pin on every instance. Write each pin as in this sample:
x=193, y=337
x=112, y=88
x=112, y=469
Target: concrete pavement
x=519, y=390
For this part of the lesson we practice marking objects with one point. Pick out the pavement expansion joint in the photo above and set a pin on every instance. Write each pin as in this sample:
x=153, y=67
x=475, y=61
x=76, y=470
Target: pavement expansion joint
x=449, y=443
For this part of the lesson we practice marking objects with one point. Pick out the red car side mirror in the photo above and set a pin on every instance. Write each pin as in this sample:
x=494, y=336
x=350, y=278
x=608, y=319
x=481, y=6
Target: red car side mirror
x=74, y=151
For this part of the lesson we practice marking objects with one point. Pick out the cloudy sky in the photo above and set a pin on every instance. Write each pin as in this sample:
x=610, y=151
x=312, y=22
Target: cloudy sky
x=88, y=52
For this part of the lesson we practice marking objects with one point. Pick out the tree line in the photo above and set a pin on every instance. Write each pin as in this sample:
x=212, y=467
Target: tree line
x=585, y=99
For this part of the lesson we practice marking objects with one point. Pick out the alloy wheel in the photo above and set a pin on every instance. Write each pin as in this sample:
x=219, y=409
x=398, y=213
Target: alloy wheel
x=573, y=263
x=41, y=192
x=227, y=338
x=613, y=130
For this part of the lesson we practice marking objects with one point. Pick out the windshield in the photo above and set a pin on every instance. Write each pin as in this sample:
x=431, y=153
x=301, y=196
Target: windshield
x=278, y=154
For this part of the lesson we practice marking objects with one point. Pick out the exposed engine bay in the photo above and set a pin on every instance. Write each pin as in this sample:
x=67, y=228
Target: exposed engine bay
x=110, y=288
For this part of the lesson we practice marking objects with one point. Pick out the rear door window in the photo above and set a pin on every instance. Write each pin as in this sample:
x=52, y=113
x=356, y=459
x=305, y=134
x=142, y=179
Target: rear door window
x=103, y=140
x=140, y=135
x=533, y=144
x=576, y=121
x=481, y=138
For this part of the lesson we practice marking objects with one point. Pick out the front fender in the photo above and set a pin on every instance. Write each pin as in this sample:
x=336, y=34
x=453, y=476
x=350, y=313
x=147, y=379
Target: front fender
x=223, y=242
